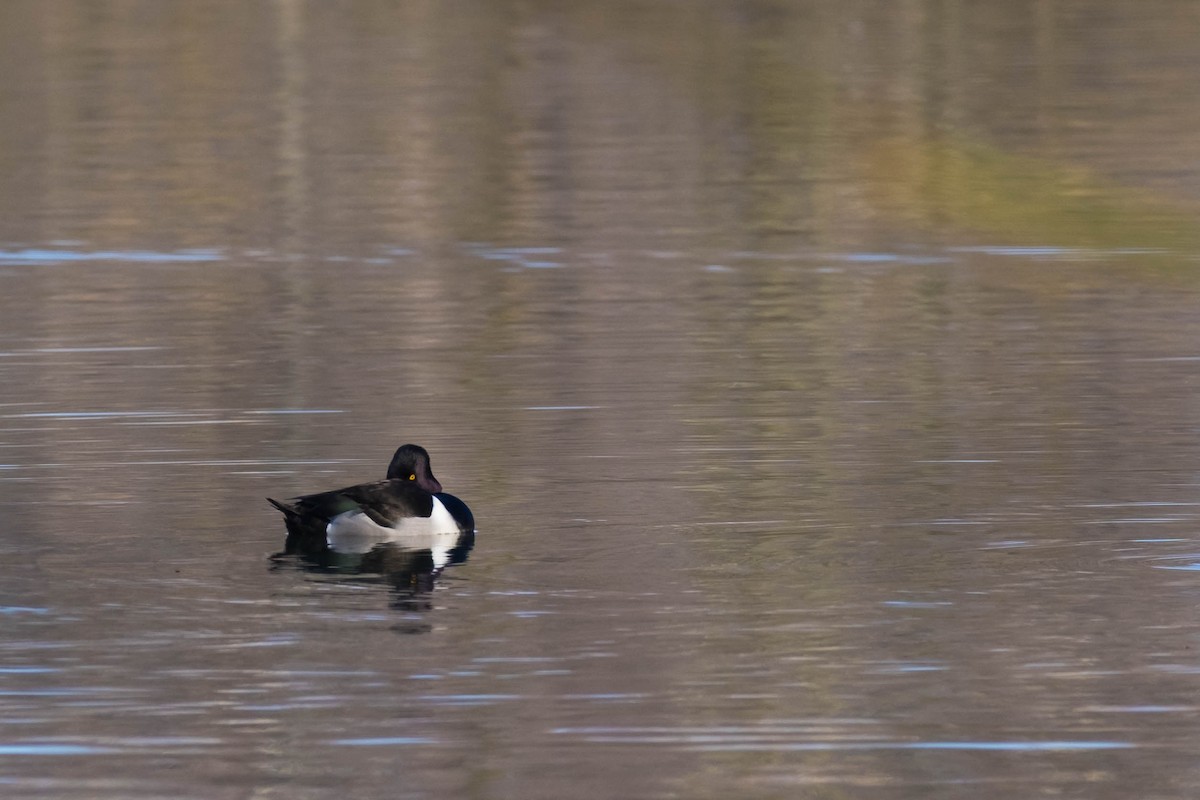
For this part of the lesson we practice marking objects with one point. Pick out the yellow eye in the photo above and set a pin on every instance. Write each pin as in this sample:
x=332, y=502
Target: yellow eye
x=412, y=477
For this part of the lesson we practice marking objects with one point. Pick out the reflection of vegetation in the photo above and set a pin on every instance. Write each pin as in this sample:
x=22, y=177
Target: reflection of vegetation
x=969, y=186
x=787, y=113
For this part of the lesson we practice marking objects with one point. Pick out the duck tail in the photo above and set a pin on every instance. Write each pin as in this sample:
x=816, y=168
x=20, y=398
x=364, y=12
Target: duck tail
x=305, y=534
x=287, y=510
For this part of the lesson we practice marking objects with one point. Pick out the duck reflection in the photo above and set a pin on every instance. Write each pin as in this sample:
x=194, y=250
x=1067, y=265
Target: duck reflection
x=410, y=568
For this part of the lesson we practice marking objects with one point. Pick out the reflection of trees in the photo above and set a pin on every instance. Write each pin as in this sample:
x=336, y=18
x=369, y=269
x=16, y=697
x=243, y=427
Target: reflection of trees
x=256, y=125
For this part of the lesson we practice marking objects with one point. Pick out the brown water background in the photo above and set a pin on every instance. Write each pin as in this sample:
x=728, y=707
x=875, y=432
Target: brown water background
x=823, y=378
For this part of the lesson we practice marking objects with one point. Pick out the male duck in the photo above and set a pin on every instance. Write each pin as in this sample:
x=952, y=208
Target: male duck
x=409, y=508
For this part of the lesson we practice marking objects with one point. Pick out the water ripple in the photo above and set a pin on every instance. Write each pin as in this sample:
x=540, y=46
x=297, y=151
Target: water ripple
x=34, y=256
x=784, y=738
x=383, y=741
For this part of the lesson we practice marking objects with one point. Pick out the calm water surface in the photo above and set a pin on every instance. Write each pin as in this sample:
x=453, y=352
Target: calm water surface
x=823, y=380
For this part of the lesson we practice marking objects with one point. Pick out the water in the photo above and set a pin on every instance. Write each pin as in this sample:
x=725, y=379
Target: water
x=822, y=379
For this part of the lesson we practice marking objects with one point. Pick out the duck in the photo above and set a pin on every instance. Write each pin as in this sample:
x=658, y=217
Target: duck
x=407, y=507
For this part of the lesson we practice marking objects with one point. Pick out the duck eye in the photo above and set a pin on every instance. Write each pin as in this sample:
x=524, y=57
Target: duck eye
x=412, y=477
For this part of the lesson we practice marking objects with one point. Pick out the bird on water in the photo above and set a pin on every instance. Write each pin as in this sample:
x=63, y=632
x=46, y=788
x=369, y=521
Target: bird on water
x=407, y=506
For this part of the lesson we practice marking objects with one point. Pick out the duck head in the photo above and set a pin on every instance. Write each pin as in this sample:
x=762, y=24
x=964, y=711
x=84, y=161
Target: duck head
x=411, y=463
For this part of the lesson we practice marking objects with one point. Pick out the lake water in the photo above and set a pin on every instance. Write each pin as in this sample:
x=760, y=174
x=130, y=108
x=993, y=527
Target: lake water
x=824, y=379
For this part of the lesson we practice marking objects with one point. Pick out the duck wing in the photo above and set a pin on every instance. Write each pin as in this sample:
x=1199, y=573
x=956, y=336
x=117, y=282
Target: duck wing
x=384, y=502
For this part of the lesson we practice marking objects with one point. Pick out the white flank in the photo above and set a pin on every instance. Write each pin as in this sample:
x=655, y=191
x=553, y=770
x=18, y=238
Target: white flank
x=355, y=532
